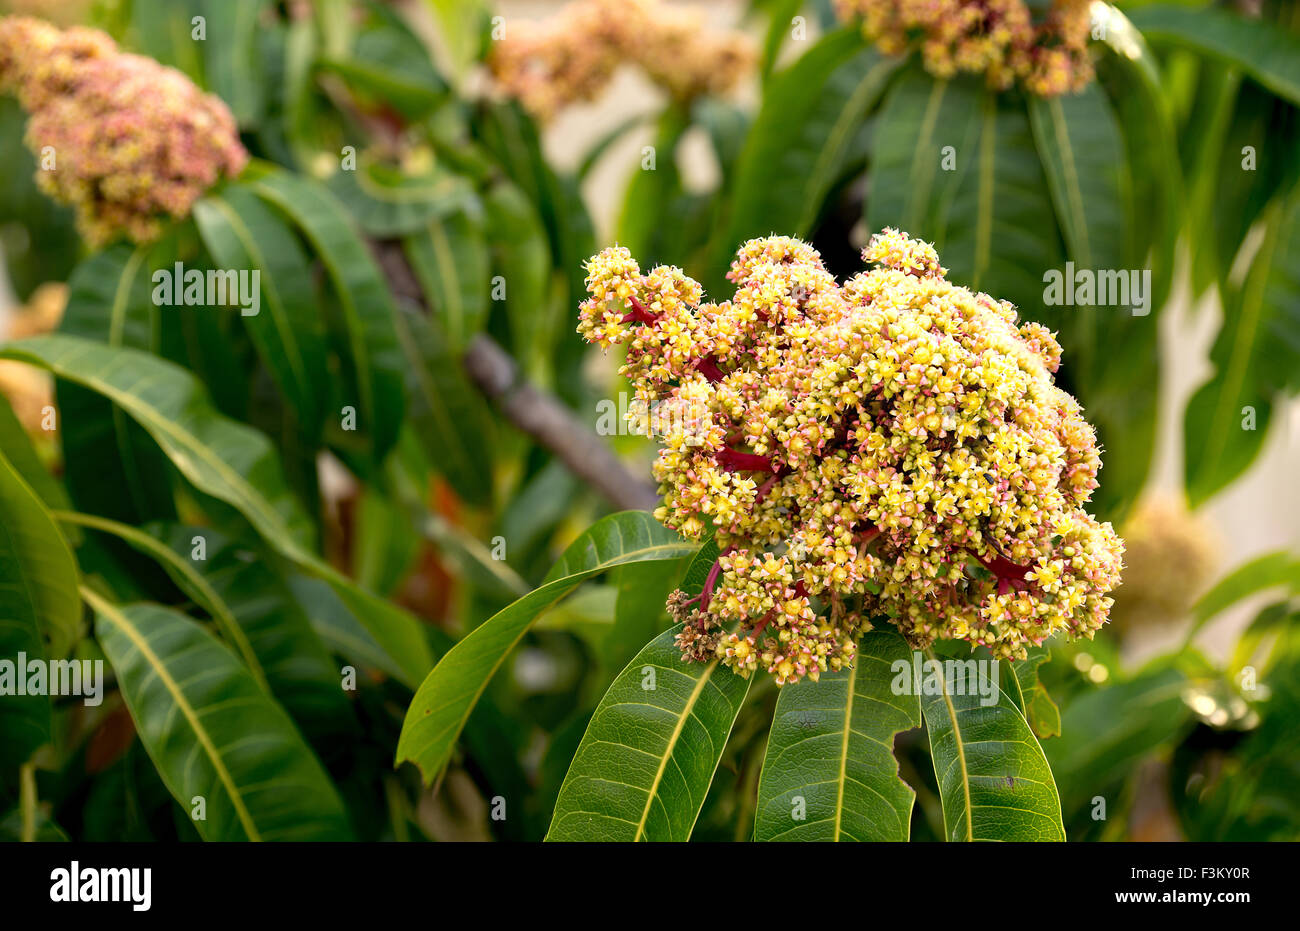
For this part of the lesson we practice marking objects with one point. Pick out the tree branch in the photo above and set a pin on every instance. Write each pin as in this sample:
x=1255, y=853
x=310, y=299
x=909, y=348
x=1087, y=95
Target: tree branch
x=534, y=411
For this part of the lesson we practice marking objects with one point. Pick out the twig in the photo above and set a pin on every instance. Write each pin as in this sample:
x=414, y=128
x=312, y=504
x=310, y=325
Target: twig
x=534, y=411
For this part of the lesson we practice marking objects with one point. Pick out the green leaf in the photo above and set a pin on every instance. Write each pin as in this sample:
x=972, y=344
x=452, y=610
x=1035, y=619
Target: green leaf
x=648, y=756
x=993, y=779
x=797, y=147
x=1256, y=357
x=1263, y=50
x=647, y=204
x=302, y=675
x=231, y=58
x=186, y=577
x=832, y=748
x=212, y=733
x=1083, y=155
x=1085, y=159
x=17, y=445
x=227, y=460
x=449, y=256
x=241, y=232
x=112, y=467
x=449, y=417
x=987, y=211
x=388, y=63
x=1133, y=82
x=922, y=149
x=1104, y=732
x=39, y=614
x=446, y=698
x=521, y=257
x=387, y=200
x=370, y=338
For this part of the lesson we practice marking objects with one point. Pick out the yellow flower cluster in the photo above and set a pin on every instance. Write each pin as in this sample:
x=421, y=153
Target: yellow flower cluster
x=123, y=139
x=572, y=58
x=1168, y=559
x=893, y=445
x=997, y=38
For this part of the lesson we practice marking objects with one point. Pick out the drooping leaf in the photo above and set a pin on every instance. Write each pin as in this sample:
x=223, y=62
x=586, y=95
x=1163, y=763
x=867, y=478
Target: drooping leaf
x=17, y=446
x=1256, y=357
x=648, y=757
x=115, y=471
x=1263, y=50
x=829, y=773
x=956, y=165
x=186, y=577
x=241, y=232
x=993, y=779
x=370, y=340
x=212, y=734
x=796, y=148
x=1133, y=82
x=1112, y=348
x=1267, y=571
x=447, y=696
x=39, y=614
x=227, y=460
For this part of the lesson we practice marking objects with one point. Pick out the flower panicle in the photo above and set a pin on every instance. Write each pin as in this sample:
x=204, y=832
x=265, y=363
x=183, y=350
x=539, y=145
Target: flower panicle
x=892, y=445
x=130, y=143
x=997, y=38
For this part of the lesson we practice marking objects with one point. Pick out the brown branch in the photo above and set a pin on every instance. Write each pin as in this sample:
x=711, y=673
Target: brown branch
x=539, y=414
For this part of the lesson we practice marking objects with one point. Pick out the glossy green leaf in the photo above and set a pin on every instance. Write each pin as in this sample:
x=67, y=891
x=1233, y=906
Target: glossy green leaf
x=993, y=779
x=829, y=773
x=1133, y=82
x=1256, y=357
x=446, y=698
x=227, y=460
x=112, y=467
x=648, y=757
x=241, y=232
x=302, y=675
x=370, y=336
x=1112, y=351
x=212, y=733
x=956, y=165
x=186, y=577
x=797, y=146
x=1263, y=50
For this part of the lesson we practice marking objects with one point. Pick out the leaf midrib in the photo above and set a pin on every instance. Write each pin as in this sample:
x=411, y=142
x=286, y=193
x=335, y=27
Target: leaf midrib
x=120, y=620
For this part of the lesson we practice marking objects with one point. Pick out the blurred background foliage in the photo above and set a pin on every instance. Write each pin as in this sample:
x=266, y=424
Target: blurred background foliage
x=381, y=546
